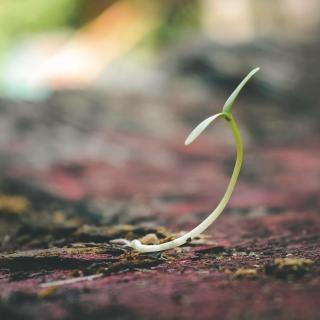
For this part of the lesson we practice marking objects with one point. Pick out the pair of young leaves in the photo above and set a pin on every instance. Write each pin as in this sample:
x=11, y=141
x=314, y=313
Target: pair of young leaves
x=226, y=110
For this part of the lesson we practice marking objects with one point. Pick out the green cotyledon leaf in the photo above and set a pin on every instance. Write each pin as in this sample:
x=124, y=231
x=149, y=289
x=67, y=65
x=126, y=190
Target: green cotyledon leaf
x=230, y=101
x=200, y=128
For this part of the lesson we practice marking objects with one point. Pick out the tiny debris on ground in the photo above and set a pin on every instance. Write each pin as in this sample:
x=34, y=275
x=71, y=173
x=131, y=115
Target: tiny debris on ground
x=289, y=268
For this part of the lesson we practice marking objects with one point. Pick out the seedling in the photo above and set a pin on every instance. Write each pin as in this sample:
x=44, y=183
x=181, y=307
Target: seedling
x=226, y=115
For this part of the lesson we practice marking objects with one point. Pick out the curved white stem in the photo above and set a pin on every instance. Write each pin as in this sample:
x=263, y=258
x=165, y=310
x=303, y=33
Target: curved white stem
x=226, y=114
x=137, y=245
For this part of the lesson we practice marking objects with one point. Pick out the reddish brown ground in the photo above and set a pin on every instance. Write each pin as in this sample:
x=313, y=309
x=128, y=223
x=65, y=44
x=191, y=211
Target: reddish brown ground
x=69, y=210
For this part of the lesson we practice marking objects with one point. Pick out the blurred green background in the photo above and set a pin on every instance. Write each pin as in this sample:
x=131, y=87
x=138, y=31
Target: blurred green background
x=179, y=57
x=282, y=37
